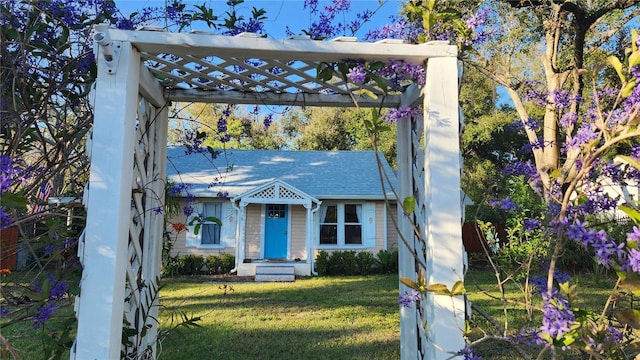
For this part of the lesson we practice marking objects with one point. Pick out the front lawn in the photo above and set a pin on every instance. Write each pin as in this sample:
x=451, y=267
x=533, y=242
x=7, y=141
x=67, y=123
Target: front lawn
x=312, y=318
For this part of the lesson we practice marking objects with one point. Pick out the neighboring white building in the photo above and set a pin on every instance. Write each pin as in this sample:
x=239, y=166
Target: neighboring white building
x=284, y=206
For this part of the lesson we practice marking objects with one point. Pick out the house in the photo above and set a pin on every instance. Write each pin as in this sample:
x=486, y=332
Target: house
x=283, y=207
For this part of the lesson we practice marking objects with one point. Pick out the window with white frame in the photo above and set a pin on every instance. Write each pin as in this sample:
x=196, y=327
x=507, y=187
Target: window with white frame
x=341, y=225
x=211, y=230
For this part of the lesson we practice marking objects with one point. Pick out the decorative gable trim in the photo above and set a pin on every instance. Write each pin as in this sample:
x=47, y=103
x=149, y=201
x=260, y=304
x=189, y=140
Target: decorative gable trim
x=276, y=192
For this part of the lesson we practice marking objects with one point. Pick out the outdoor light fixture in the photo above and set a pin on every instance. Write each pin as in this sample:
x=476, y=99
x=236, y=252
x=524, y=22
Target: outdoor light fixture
x=103, y=39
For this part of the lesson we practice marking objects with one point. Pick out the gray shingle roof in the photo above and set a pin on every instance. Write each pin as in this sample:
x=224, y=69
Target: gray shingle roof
x=322, y=174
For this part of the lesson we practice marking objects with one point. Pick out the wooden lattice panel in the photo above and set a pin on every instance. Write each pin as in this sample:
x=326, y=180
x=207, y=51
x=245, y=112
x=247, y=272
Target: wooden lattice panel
x=141, y=278
x=285, y=193
x=268, y=193
x=245, y=75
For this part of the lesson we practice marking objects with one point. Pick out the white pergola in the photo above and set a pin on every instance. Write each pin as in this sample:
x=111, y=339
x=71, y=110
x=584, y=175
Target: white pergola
x=140, y=72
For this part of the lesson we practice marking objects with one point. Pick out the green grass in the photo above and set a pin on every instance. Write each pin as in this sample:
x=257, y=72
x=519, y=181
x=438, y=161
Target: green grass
x=311, y=318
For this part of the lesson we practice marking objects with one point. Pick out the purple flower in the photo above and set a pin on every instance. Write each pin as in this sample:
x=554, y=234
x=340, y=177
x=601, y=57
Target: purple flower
x=4, y=311
x=557, y=316
x=44, y=313
x=268, y=120
x=407, y=298
x=393, y=115
x=342, y=5
x=531, y=224
x=635, y=235
x=49, y=249
x=58, y=290
x=584, y=135
x=527, y=336
x=634, y=260
x=5, y=219
x=561, y=98
x=505, y=204
x=357, y=75
x=526, y=169
x=568, y=119
x=532, y=124
x=468, y=354
x=398, y=29
x=187, y=210
x=177, y=189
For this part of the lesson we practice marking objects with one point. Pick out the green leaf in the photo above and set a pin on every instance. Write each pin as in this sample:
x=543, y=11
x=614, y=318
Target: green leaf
x=631, y=212
x=382, y=83
x=428, y=20
x=634, y=59
x=631, y=284
x=617, y=64
x=409, y=283
x=409, y=204
x=629, y=160
x=13, y=201
x=440, y=289
x=325, y=72
x=458, y=288
x=213, y=219
x=366, y=92
x=628, y=88
x=376, y=65
x=629, y=317
x=196, y=229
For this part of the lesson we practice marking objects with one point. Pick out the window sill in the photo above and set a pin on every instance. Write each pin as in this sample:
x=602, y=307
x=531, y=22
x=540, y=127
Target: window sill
x=340, y=247
x=208, y=247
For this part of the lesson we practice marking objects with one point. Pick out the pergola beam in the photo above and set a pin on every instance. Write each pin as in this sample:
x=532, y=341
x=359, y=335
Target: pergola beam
x=202, y=45
x=269, y=98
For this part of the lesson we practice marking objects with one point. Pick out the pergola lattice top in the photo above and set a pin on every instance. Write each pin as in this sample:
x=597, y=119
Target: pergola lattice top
x=197, y=67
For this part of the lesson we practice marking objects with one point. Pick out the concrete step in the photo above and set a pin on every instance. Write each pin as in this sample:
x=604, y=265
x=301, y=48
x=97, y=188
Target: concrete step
x=266, y=273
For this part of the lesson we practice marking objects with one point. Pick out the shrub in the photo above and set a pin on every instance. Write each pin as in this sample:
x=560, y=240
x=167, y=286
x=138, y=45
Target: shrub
x=364, y=263
x=347, y=262
x=191, y=264
x=386, y=261
x=322, y=263
x=214, y=264
x=228, y=262
x=171, y=266
x=336, y=265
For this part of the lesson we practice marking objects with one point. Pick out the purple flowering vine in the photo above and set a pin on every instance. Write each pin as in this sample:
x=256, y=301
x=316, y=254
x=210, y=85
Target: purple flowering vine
x=408, y=298
x=404, y=112
x=557, y=315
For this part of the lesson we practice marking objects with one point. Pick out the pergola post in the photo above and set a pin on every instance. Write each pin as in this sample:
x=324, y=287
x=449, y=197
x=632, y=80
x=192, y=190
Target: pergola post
x=407, y=268
x=445, y=315
x=101, y=302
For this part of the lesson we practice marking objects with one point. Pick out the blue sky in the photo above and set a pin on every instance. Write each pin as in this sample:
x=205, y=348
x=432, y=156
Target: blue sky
x=282, y=13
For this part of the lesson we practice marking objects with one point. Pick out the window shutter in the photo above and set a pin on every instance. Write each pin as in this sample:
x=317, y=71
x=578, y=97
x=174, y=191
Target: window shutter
x=369, y=224
x=193, y=240
x=228, y=230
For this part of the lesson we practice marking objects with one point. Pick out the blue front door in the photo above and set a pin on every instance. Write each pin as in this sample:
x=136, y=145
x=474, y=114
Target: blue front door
x=275, y=230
